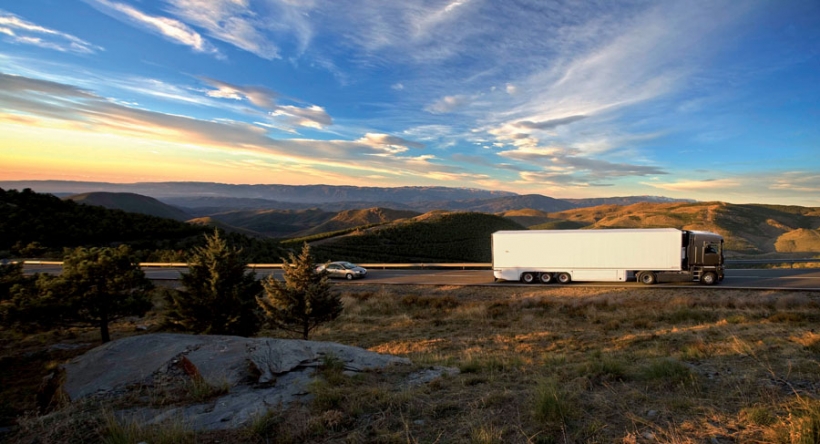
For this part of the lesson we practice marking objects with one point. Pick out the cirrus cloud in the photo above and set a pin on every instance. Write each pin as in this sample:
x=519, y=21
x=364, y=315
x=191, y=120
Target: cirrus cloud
x=171, y=29
x=18, y=30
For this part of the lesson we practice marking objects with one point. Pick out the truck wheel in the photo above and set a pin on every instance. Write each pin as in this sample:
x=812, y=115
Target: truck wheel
x=708, y=278
x=545, y=278
x=647, y=278
x=528, y=278
x=564, y=278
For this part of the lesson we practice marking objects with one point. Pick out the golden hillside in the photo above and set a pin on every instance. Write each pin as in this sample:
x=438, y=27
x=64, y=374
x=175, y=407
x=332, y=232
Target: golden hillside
x=748, y=229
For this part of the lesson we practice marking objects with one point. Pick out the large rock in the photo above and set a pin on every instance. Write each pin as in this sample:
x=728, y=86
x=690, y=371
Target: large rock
x=258, y=373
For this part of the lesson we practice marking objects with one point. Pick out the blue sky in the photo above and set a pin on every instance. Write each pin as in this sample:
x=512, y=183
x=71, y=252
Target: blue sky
x=707, y=100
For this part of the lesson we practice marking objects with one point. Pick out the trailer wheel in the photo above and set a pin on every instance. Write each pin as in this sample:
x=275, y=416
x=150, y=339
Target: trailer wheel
x=647, y=278
x=564, y=278
x=545, y=278
x=708, y=278
x=528, y=277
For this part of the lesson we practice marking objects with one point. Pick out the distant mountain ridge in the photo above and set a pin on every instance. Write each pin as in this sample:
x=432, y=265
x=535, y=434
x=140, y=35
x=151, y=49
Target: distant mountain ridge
x=284, y=193
x=202, y=199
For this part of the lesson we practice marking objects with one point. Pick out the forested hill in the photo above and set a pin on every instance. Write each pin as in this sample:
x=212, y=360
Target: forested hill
x=37, y=224
x=133, y=203
x=430, y=237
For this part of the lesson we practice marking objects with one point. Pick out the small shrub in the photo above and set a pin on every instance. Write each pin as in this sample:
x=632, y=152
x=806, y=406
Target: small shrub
x=736, y=319
x=687, y=314
x=787, y=317
x=601, y=368
x=554, y=404
x=667, y=370
x=611, y=325
x=278, y=426
x=445, y=409
x=332, y=368
x=126, y=431
x=326, y=396
x=487, y=434
x=758, y=415
x=436, y=302
x=471, y=366
x=198, y=390
x=696, y=350
x=802, y=425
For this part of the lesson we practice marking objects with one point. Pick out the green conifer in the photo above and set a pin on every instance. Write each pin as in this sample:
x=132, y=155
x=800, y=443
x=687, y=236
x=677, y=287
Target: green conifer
x=304, y=300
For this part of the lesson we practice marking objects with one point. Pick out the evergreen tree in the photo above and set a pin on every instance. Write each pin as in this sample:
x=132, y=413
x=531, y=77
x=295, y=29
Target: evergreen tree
x=219, y=296
x=304, y=300
x=11, y=274
x=97, y=286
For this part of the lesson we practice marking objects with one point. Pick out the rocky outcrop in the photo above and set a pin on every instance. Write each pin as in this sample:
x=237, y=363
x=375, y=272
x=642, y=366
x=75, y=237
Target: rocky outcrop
x=251, y=375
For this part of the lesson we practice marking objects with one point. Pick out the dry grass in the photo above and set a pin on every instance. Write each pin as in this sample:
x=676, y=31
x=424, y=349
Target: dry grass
x=563, y=364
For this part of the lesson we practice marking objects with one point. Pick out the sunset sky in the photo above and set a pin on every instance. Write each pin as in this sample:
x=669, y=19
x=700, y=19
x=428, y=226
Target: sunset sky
x=706, y=100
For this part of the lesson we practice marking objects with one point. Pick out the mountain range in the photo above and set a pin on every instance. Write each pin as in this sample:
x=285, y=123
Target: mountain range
x=200, y=199
x=748, y=229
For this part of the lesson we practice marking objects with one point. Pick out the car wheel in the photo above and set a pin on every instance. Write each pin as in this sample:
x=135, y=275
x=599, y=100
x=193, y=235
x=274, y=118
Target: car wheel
x=564, y=278
x=528, y=278
x=545, y=278
x=349, y=276
x=708, y=278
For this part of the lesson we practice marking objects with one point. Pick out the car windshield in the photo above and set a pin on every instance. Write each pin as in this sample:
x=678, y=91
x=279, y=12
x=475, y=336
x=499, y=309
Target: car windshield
x=348, y=265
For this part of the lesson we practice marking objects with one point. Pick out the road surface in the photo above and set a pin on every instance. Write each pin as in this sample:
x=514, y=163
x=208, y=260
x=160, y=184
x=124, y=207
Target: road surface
x=802, y=279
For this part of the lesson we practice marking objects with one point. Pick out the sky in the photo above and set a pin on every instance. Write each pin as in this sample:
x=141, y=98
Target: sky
x=710, y=100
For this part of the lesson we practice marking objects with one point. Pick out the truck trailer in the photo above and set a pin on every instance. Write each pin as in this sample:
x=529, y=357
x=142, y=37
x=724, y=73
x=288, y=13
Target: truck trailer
x=648, y=255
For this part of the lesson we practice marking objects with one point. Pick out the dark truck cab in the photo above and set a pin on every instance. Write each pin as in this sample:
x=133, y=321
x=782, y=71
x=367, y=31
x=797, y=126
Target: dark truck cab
x=703, y=256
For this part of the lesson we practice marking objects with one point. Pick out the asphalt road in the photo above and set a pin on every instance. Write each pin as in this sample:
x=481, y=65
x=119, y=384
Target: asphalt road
x=797, y=279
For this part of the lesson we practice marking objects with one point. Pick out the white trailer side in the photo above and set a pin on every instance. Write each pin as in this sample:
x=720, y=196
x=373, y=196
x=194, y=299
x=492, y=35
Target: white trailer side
x=586, y=255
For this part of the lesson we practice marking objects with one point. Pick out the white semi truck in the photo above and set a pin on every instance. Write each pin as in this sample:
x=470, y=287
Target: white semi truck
x=613, y=255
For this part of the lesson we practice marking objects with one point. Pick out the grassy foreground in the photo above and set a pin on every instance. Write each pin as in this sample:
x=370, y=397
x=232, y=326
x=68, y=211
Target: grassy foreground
x=539, y=364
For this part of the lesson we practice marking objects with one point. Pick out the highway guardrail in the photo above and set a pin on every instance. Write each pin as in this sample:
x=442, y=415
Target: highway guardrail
x=425, y=265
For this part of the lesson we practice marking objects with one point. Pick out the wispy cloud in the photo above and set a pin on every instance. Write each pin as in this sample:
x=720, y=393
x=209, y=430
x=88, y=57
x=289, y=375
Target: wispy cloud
x=391, y=144
x=171, y=29
x=547, y=124
x=797, y=181
x=20, y=31
x=696, y=185
x=258, y=95
x=448, y=104
x=569, y=166
x=232, y=21
x=312, y=116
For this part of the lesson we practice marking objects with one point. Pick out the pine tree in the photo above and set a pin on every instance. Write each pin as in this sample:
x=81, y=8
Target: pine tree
x=219, y=296
x=97, y=286
x=11, y=274
x=304, y=300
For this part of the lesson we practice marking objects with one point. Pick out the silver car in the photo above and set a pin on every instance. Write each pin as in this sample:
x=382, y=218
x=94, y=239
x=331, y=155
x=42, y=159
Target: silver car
x=343, y=269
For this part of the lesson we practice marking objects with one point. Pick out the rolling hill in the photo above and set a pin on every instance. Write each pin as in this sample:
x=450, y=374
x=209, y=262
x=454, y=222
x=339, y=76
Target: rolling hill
x=526, y=217
x=132, y=203
x=357, y=218
x=300, y=223
x=211, y=222
x=432, y=237
x=748, y=229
